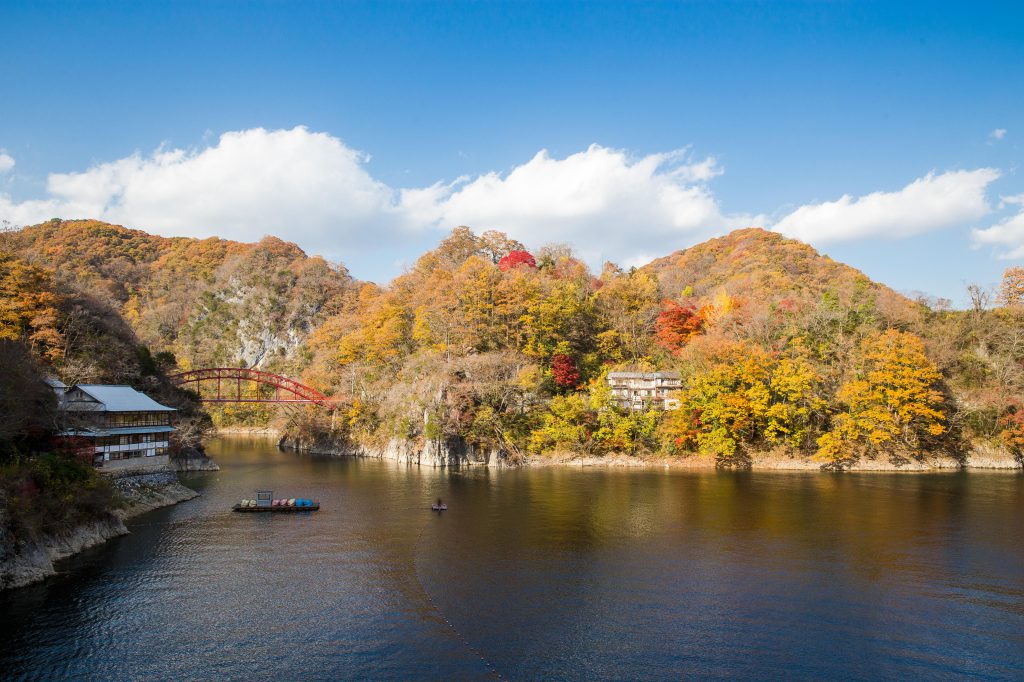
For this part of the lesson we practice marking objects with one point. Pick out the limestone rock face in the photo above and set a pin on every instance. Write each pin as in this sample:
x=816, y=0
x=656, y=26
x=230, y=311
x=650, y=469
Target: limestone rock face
x=984, y=456
x=22, y=564
x=432, y=453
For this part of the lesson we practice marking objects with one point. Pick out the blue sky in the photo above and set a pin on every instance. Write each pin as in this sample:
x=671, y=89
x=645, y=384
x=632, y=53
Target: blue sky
x=364, y=131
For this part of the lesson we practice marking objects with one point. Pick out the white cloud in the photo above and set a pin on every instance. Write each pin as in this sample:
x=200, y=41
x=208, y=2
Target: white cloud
x=1007, y=233
x=6, y=161
x=933, y=202
x=304, y=186
x=311, y=188
x=600, y=200
x=997, y=134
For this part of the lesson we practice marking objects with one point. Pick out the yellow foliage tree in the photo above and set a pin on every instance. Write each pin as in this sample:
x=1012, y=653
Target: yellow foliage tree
x=892, y=404
x=28, y=307
x=746, y=397
x=796, y=397
x=629, y=303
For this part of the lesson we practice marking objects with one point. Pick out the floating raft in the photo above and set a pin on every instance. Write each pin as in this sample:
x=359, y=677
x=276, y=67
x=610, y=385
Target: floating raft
x=283, y=505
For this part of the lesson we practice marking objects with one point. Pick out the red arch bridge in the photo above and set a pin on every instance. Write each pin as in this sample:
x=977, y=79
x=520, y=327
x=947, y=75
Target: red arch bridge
x=229, y=382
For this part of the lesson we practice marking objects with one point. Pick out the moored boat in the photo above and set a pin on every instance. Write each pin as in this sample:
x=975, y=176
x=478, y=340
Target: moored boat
x=265, y=502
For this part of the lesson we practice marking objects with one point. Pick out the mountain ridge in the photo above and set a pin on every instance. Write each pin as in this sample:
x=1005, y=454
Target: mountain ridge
x=482, y=344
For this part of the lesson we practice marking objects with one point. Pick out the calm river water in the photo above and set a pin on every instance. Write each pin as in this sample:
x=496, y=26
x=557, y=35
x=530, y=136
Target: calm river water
x=550, y=573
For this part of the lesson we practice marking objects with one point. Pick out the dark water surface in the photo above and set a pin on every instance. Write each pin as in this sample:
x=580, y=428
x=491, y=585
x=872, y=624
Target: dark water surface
x=541, y=574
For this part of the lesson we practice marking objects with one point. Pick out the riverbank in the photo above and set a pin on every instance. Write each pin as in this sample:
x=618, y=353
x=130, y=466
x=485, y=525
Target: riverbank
x=443, y=455
x=29, y=561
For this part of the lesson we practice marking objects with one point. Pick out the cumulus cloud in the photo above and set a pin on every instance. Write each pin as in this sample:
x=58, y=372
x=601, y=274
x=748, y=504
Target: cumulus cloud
x=997, y=134
x=601, y=200
x=302, y=185
x=6, y=161
x=1007, y=234
x=311, y=188
x=933, y=202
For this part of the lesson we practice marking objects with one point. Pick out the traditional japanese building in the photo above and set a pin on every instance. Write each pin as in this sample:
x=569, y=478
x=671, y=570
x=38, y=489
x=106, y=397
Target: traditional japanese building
x=639, y=390
x=125, y=429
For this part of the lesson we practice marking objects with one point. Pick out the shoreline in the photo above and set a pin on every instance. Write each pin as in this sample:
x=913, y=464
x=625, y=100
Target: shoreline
x=143, y=492
x=265, y=431
x=981, y=458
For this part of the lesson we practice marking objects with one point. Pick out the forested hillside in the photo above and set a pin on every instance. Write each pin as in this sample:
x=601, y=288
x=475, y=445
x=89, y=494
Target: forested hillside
x=483, y=343
x=56, y=324
x=209, y=302
x=780, y=349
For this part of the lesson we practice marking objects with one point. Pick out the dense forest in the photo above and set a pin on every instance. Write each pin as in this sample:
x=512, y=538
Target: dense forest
x=489, y=344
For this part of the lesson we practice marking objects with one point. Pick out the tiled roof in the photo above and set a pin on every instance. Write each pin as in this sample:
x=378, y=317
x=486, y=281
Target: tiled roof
x=121, y=399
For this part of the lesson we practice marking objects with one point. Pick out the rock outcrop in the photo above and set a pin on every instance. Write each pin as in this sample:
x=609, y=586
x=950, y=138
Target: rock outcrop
x=26, y=562
x=454, y=452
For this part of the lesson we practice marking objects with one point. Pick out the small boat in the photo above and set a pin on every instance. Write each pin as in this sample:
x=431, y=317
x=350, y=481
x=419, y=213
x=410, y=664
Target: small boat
x=439, y=506
x=265, y=502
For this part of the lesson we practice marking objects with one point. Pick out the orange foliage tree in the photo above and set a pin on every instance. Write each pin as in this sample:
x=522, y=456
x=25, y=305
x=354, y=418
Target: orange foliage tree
x=677, y=324
x=1011, y=291
x=747, y=397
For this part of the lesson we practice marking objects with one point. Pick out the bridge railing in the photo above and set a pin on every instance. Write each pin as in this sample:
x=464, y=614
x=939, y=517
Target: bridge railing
x=301, y=392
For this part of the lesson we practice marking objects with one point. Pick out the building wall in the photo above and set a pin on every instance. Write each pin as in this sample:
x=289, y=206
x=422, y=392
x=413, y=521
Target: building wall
x=149, y=449
x=637, y=393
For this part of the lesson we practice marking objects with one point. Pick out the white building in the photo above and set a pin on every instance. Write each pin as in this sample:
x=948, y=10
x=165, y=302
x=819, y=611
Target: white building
x=124, y=428
x=639, y=390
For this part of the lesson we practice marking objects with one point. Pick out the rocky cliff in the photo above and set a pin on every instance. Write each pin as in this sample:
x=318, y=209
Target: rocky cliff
x=454, y=452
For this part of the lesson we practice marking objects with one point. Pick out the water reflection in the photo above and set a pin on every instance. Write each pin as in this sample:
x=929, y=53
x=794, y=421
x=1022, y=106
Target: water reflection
x=548, y=573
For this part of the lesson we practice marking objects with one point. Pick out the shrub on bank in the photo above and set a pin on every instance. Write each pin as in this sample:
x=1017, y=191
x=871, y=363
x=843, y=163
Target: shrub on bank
x=50, y=494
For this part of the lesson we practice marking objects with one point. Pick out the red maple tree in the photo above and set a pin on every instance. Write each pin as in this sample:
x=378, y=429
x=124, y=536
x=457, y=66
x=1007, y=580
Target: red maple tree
x=677, y=324
x=565, y=371
x=515, y=258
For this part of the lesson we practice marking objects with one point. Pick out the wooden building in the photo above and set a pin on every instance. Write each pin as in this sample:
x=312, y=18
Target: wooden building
x=124, y=428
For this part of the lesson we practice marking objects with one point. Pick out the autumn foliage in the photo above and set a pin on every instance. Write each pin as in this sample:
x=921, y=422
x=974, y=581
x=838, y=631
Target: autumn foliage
x=1011, y=290
x=517, y=258
x=1011, y=429
x=28, y=307
x=778, y=348
x=677, y=324
x=564, y=371
x=892, y=402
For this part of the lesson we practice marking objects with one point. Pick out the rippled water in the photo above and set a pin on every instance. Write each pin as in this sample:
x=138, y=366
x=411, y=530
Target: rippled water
x=541, y=574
